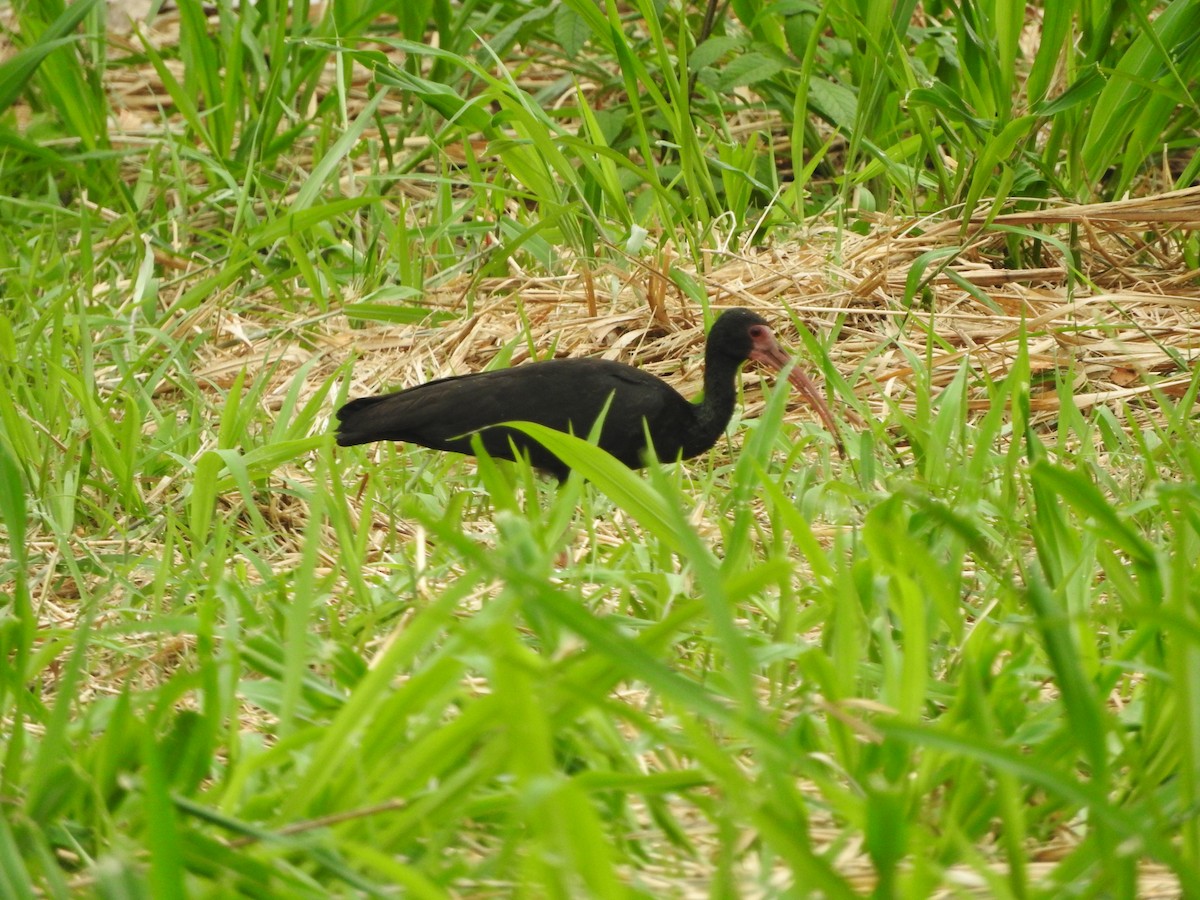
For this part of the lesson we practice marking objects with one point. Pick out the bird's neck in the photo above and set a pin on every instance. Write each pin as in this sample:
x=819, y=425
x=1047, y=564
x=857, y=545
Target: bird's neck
x=716, y=409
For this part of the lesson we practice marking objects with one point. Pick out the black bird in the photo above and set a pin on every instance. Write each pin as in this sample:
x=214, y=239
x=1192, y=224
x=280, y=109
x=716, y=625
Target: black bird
x=569, y=394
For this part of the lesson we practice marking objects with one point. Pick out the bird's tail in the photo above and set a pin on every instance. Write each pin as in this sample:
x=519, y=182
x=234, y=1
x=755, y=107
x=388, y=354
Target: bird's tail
x=359, y=422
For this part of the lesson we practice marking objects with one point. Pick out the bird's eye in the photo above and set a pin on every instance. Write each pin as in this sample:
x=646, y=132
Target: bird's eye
x=756, y=331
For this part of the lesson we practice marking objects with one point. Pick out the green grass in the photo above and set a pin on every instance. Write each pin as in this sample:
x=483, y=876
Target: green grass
x=239, y=662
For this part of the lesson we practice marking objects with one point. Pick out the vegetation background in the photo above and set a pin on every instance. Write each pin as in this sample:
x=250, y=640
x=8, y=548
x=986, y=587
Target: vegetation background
x=965, y=660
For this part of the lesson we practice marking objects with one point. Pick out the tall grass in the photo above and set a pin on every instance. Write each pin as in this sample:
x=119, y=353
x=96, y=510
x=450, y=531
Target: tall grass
x=239, y=662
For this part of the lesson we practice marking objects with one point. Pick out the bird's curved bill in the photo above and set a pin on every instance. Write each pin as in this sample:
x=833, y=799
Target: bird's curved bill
x=774, y=358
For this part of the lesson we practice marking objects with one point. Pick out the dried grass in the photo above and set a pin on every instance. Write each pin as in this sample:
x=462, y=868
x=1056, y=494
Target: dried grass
x=1127, y=323
x=1125, y=319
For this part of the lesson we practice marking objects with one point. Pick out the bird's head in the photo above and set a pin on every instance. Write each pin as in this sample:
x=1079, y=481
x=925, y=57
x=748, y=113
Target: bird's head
x=737, y=333
x=741, y=335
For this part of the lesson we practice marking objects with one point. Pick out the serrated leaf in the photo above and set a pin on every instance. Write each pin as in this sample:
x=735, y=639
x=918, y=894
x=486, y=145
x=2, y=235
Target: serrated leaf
x=710, y=51
x=571, y=30
x=610, y=123
x=836, y=103
x=751, y=68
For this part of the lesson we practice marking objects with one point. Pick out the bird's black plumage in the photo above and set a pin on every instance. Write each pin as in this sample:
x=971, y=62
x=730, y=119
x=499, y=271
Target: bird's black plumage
x=569, y=395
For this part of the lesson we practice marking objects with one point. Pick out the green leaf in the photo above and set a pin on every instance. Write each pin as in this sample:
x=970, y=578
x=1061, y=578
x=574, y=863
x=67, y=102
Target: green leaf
x=399, y=315
x=445, y=100
x=710, y=51
x=1083, y=90
x=571, y=30
x=834, y=101
x=20, y=67
x=611, y=476
x=748, y=69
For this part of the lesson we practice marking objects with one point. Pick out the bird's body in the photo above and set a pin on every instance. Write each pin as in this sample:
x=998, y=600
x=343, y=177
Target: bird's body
x=569, y=395
x=528, y=394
